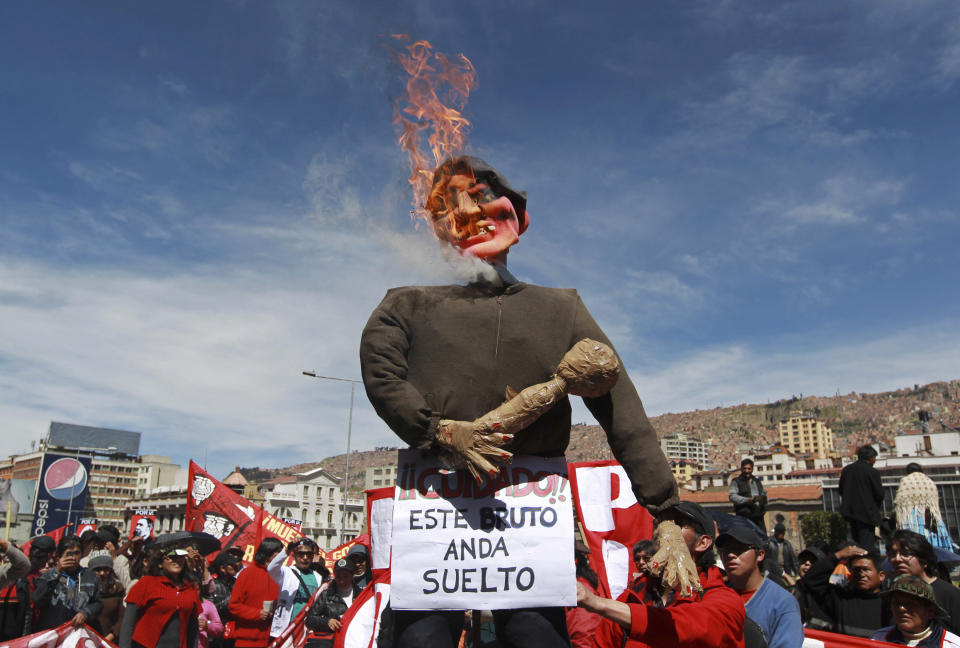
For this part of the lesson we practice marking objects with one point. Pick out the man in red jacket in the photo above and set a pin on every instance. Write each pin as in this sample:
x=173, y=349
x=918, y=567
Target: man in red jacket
x=656, y=618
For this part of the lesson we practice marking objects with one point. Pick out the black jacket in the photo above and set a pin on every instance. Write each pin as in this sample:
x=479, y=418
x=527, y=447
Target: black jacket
x=789, y=555
x=432, y=352
x=861, y=493
x=854, y=613
x=329, y=605
x=59, y=597
x=741, y=484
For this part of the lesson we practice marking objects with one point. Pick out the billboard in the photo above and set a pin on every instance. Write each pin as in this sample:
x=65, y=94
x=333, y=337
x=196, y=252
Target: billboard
x=61, y=491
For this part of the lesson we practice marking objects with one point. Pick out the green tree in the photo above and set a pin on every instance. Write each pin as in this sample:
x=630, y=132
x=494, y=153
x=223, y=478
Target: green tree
x=826, y=526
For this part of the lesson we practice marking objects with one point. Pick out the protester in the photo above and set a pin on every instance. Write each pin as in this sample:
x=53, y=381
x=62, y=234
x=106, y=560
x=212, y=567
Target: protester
x=642, y=552
x=917, y=507
x=581, y=624
x=333, y=603
x=164, y=604
x=254, y=597
x=812, y=615
x=18, y=614
x=855, y=608
x=747, y=494
x=128, y=554
x=16, y=567
x=225, y=568
x=741, y=549
x=297, y=583
x=66, y=592
x=361, y=565
x=110, y=619
x=209, y=625
x=917, y=617
x=647, y=614
x=911, y=553
x=90, y=541
x=780, y=551
x=861, y=498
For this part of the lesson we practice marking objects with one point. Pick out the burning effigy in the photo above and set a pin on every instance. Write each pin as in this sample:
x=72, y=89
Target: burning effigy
x=475, y=374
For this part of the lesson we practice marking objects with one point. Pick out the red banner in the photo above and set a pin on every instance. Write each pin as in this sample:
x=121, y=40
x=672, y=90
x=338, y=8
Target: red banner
x=821, y=639
x=64, y=635
x=214, y=508
x=612, y=521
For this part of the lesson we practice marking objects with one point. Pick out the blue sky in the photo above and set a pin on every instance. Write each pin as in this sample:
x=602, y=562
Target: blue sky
x=199, y=200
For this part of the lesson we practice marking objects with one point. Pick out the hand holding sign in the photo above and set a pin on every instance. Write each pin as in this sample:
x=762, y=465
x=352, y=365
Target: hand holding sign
x=589, y=369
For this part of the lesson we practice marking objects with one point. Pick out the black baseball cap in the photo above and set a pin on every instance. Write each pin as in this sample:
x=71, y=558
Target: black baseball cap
x=747, y=534
x=343, y=565
x=702, y=521
x=42, y=544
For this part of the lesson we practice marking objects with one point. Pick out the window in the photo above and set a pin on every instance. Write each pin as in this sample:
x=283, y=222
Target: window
x=306, y=492
x=330, y=518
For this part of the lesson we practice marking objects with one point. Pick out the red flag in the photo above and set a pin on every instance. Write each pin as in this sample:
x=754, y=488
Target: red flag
x=613, y=521
x=56, y=534
x=295, y=634
x=214, y=508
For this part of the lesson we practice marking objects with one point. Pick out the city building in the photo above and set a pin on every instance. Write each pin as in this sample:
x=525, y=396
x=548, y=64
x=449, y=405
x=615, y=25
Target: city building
x=927, y=443
x=682, y=447
x=805, y=435
x=315, y=498
x=379, y=476
x=114, y=472
x=683, y=470
x=156, y=472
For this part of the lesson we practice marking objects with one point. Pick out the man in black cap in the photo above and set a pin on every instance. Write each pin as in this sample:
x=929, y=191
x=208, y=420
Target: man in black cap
x=742, y=550
x=225, y=568
x=333, y=603
x=861, y=498
x=651, y=615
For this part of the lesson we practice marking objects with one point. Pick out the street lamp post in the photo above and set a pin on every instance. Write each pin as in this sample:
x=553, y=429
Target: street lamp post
x=346, y=475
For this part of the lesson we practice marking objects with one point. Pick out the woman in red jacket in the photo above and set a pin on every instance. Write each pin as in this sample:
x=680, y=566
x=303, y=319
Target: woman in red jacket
x=254, y=598
x=162, y=608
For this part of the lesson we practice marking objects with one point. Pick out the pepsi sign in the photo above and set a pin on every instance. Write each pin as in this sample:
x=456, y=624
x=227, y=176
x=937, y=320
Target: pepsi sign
x=61, y=491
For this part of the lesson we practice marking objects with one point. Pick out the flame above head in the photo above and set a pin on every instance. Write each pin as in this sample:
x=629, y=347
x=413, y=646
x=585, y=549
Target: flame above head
x=436, y=92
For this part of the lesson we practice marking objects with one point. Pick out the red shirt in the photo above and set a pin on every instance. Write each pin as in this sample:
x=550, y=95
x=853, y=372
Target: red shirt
x=254, y=586
x=157, y=599
x=713, y=619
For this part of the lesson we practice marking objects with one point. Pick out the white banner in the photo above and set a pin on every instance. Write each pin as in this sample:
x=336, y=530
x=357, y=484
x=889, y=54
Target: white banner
x=500, y=544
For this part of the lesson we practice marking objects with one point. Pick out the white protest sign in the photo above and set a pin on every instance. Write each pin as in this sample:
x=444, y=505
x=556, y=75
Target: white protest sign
x=500, y=544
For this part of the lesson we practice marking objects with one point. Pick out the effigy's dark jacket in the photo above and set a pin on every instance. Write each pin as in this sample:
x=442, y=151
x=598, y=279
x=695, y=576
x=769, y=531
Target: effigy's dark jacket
x=432, y=352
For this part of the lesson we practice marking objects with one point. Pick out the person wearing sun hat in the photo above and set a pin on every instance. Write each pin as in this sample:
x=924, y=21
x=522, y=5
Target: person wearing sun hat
x=163, y=606
x=918, y=619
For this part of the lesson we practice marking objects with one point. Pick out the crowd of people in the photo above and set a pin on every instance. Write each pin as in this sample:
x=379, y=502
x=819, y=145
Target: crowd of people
x=177, y=591
x=755, y=590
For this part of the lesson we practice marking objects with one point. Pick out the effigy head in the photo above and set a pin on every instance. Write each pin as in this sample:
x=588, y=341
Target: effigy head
x=474, y=208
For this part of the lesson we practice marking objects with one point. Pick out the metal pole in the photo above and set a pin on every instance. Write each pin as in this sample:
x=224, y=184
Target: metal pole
x=346, y=477
x=72, y=486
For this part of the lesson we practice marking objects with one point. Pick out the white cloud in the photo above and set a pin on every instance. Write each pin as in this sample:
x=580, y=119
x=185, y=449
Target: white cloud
x=844, y=200
x=745, y=373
